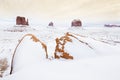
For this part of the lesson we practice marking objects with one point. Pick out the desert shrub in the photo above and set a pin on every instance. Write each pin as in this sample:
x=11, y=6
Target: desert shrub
x=3, y=66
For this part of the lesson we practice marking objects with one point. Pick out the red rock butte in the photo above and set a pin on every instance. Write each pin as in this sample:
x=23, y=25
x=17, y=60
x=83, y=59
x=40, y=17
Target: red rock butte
x=76, y=23
x=21, y=21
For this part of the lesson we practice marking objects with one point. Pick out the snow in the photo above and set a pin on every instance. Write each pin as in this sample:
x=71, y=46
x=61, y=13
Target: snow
x=27, y=47
x=98, y=61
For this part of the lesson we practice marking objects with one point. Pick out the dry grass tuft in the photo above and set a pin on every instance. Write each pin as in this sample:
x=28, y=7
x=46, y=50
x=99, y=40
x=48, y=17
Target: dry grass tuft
x=35, y=39
x=60, y=43
x=3, y=66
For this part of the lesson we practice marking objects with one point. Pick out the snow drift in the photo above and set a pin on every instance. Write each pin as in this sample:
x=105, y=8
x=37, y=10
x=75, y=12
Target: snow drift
x=92, y=58
x=72, y=47
x=29, y=50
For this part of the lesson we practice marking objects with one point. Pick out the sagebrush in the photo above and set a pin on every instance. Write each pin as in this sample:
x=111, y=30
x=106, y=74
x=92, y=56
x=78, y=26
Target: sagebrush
x=3, y=66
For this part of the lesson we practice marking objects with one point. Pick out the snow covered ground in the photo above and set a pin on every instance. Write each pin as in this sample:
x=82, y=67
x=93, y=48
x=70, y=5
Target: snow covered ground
x=96, y=57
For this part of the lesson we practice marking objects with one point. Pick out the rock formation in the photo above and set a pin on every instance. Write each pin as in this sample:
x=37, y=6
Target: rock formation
x=112, y=25
x=21, y=21
x=76, y=23
x=51, y=24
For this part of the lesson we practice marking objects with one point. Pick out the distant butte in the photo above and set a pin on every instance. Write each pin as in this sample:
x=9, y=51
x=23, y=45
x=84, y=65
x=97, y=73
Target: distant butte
x=51, y=24
x=21, y=21
x=76, y=23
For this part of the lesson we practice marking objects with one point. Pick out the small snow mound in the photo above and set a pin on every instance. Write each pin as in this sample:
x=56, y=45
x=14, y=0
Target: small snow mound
x=29, y=50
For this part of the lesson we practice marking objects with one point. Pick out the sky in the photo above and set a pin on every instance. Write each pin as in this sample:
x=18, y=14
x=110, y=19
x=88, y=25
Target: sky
x=89, y=11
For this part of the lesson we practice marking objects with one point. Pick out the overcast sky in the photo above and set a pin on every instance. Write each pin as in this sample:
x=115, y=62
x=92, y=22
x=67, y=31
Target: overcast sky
x=87, y=10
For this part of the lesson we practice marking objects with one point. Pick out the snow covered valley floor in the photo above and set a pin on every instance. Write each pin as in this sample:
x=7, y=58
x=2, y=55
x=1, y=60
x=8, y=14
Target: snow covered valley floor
x=95, y=53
